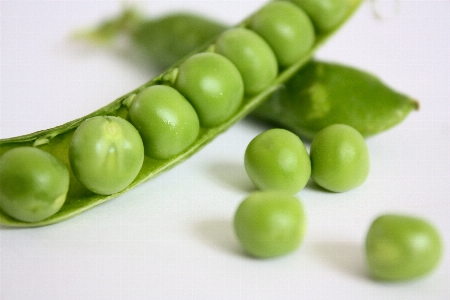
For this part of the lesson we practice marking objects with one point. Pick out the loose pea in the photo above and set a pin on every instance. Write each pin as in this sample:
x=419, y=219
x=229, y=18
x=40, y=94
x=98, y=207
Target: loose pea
x=277, y=160
x=252, y=56
x=270, y=223
x=167, y=122
x=213, y=85
x=33, y=184
x=400, y=247
x=106, y=154
x=286, y=28
x=339, y=158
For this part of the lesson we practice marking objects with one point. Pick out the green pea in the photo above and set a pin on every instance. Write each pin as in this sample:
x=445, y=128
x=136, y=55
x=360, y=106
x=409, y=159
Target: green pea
x=213, y=85
x=106, y=154
x=252, y=56
x=339, y=158
x=326, y=14
x=167, y=122
x=277, y=160
x=270, y=223
x=33, y=184
x=286, y=28
x=400, y=247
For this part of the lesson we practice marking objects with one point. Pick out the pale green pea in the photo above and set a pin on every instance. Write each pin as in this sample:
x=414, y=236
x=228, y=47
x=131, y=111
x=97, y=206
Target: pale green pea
x=167, y=122
x=252, y=56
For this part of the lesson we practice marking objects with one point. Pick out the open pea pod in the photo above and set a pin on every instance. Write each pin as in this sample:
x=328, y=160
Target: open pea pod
x=318, y=95
x=57, y=140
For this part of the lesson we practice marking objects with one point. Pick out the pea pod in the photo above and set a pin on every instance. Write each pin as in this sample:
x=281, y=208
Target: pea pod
x=318, y=95
x=322, y=94
x=57, y=140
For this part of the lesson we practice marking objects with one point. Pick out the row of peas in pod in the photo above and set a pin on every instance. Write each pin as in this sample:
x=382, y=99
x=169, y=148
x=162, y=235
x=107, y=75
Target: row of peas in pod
x=106, y=153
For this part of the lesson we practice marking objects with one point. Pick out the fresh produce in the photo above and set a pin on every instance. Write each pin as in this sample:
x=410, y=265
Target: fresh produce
x=277, y=160
x=339, y=158
x=318, y=95
x=270, y=223
x=196, y=86
x=401, y=247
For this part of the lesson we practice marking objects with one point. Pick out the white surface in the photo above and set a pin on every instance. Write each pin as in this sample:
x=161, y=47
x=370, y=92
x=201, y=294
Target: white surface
x=171, y=238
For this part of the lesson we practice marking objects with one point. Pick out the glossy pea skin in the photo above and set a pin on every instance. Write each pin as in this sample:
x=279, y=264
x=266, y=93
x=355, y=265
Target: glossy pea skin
x=326, y=14
x=278, y=160
x=106, y=154
x=33, y=184
x=269, y=224
x=252, y=56
x=286, y=28
x=339, y=158
x=166, y=121
x=400, y=247
x=213, y=85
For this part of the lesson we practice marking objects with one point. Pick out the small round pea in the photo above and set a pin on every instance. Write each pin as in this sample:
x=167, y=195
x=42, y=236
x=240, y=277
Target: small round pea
x=213, y=85
x=278, y=160
x=400, y=247
x=167, y=122
x=106, y=154
x=286, y=28
x=270, y=223
x=252, y=56
x=33, y=184
x=339, y=158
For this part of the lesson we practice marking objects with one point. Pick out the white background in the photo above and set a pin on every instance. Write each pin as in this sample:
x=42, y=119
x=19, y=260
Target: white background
x=171, y=238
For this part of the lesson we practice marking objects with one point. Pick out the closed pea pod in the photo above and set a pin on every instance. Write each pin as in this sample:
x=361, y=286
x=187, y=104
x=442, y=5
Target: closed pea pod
x=251, y=55
x=166, y=121
x=286, y=28
x=106, y=154
x=213, y=85
x=33, y=184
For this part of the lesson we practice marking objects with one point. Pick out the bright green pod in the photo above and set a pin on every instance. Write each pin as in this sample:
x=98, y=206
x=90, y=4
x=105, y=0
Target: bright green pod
x=286, y=28
x=33, y=184
x=166, y=121
x=278, y=160
x=340, y=158
x=322, y=94
x=269, y=224
x=58, y=140
x=252, y=56
x=400, y=247
x=213, y=85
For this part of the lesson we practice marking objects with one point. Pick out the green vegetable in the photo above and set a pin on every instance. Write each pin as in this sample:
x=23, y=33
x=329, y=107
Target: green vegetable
x=166, y=121
x=286, y=28
x=106, y=154
x=57, y=140
x=318, y=95
x=33, y=184
x=277, y=160
x=322, y=94
x=269, y=224
x=339, y=158
x=213, y=85
x=252, y=56
x=402, y=247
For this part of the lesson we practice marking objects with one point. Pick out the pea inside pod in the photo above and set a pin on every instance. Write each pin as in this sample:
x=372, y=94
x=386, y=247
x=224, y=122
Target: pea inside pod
x=92, y=192
x=318, y=95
